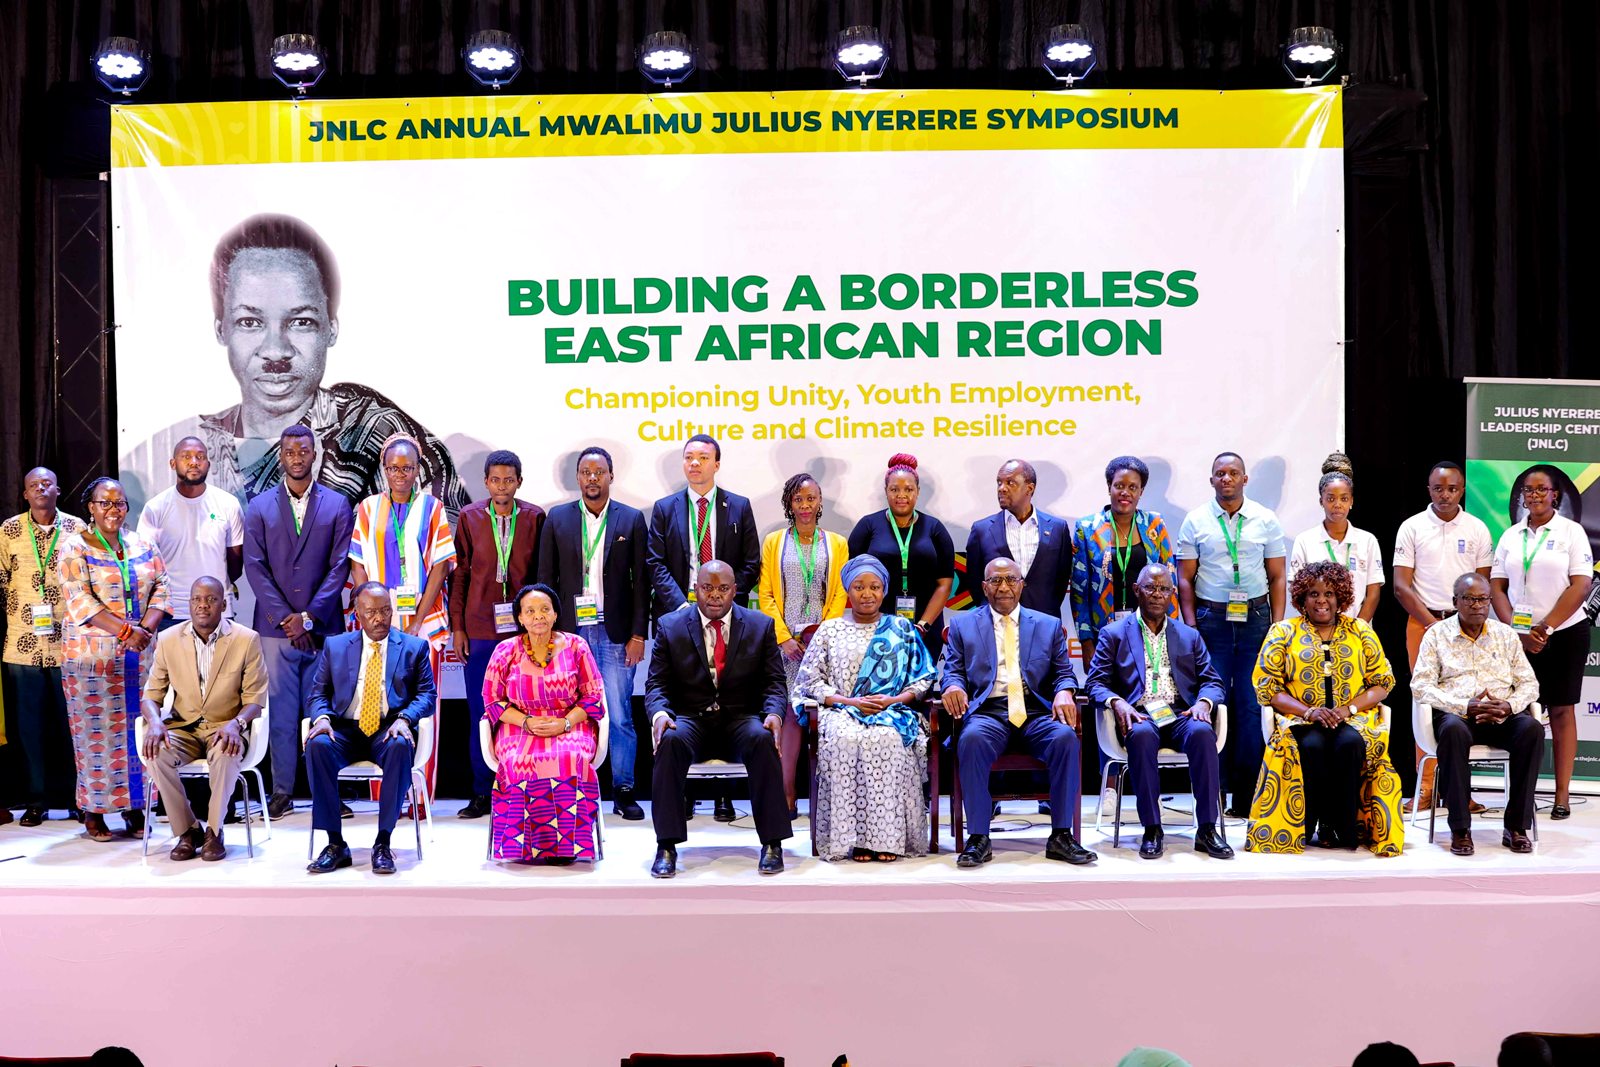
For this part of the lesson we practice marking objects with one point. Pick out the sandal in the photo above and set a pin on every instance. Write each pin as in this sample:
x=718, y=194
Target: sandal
x=1560, y=811
x=861, y=855
x=133, y=820
x=94, y=825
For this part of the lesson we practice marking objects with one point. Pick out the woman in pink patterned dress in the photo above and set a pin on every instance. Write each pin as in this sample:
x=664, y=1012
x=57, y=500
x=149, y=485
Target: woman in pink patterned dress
x=543, y=696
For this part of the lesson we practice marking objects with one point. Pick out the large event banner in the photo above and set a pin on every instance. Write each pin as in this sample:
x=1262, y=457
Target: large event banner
x=820, y=280
x=1513, y=424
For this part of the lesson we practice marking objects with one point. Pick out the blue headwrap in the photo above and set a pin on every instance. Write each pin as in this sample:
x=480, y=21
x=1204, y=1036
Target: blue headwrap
x=855, y=566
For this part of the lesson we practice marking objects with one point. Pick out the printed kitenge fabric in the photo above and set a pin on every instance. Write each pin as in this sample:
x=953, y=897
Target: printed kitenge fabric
x=1291, y=661
x=101, y=679
x=23, y=584
x=546, y=795
x=1094, y=553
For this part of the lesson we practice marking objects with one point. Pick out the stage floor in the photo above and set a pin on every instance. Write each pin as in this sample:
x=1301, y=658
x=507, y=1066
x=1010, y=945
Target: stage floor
x=1024, y=961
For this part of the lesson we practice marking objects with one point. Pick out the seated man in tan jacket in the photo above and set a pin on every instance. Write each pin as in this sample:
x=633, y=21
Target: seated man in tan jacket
x=213, y=668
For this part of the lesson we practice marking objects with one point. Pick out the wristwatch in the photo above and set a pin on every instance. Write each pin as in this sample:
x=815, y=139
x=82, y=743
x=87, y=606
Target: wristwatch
x=568, y=728
x=305, y=617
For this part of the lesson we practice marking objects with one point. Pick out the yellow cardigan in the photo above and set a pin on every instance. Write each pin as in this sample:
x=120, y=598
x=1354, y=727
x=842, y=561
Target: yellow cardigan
x=772, y=578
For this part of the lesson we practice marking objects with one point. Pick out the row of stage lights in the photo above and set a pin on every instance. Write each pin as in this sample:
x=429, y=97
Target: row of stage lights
x=666, y=58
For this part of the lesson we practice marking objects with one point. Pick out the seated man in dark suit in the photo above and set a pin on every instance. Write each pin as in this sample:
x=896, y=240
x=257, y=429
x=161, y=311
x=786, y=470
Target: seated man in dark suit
x=370, y=690
x=1009, y=666
x=716, y=690
x=1155, y=675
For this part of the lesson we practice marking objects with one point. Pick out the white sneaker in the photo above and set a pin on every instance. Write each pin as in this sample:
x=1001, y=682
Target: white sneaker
x=1108, y=803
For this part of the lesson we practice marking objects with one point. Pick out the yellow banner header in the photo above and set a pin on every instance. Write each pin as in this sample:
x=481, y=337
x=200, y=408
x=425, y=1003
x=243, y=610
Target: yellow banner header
x=513, y=127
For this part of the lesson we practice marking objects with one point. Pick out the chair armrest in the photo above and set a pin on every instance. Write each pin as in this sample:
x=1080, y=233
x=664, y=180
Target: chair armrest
x=425, y=740
x=602, y=741
x=1267, y=721
x=486, y=744
x=1219, y=724
x=138, y=736
x=1536, y=709
x=305, y=732
x=256, y=743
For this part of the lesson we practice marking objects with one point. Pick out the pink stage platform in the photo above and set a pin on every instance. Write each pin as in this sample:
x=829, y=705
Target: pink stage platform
x=1023, y=962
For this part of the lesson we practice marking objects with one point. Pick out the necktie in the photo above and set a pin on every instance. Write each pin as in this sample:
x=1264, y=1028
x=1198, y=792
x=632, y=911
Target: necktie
x=1016, y=710
x=705, y=532
x=372, y=692
x=719, y=649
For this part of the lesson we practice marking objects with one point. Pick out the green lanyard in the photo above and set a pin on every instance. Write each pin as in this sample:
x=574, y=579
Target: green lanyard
x=905, y=549
x=1233, y=540
x=808, y=566
x=591, y=547
x=502, y=548
x=122, y=565
x=697, y=532
x=399, y=532
x=1152, y=658
x=295, y=514
x=33, y=539
x=1349, y=552
x=1528, y=557
x=1123, y=556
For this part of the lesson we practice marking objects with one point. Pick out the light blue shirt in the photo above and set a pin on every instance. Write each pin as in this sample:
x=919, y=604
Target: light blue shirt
x=1260, y=538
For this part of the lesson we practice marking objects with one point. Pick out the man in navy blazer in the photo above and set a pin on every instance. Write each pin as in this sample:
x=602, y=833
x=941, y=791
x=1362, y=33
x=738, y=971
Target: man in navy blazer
x=679, y=533
x=1041, y=543
x=296, y=558
x=716, y=690
x=372, y=688
x=1007, y=676
x=597, y=537
x=1157, y=678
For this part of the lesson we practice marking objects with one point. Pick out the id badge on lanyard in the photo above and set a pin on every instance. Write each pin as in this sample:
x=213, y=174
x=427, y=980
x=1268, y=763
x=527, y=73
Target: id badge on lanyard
x=505, y=619
x=405, y=599
x=1238, y=605
x=1522, y=618
x=1160, y=712
x=44, y=623
x=906, y=607
x=587, y=610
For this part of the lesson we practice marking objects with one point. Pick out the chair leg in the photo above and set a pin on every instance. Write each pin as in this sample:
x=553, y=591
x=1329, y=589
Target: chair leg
x=599, y=834
x=1433, y=808
x=1416, y=796
x=149, y=811
x=261, y=794
x=1116, y=816
x=416, y=819
x=249, y=833
x=1222, y=817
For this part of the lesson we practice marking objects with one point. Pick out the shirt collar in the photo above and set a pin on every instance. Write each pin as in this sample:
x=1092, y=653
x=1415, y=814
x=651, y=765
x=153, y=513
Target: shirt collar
x=1016, y=612
x=705, y=623
x=368, y=643
x=1433, y=516
x=694, y=496
x=1244, y=511
x=1011, y=520
x=223, y=629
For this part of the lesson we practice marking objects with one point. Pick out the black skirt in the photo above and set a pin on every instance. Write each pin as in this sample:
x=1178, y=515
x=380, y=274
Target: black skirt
x=1559, y=666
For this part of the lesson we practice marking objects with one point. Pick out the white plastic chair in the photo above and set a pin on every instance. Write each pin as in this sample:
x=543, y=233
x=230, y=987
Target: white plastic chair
x=250, y=763
x=366, y=771
x=1422, y=727
x=1117, y=756
x=601, y=747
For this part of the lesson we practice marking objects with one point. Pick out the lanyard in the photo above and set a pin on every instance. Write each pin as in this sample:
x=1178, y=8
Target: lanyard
x=33, y=539
x=1123, y=553
x=591, y=547
x=1528, y=557
x=1233, y=540
x=502, y=548
x=399, y=527
x=698, y=533
x=294, y=512
x=905, y=549
x=808, y=566
x=1349, y=552
x=122, y=565
x=1152, y=657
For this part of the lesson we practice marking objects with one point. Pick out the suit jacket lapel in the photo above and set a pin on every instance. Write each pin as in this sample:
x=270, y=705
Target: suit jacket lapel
x=723, y=511
x=697, y=634
x=1047, y=531
x=391, y=667
x=1139, y=661
x=181, y=665
x=611, y=534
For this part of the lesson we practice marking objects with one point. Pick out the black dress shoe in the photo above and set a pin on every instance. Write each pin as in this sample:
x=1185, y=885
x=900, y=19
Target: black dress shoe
x=279, y=805
x=32, y=817
x=1153, y=845
x=978, y=851
x=1461, y=843
x=724, y=811
x=382, y=860
x=345, y=812
x=1063, y=846
x=1516, y=841
x=1044, y=807
x=1560, y=811
x=331, y=858
x=771, y=859
x=626, y=806
x=559, y=861
x=476, y=808
x=1210, y=842
x=688, y=808
x=666, y=864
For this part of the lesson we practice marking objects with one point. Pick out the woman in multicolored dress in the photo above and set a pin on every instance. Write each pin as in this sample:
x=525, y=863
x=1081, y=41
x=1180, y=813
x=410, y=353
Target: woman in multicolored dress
x=800, y=588
x=544, y=697
x=114, y=589
x=863, y=670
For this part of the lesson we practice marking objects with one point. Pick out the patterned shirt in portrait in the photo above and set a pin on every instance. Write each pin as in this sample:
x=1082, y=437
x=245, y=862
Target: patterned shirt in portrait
x=91, y=582
x=1292, y=661
x=23, y=585
x=1094, y=554
x=1453, y=669
x=427, y=544
x=1157, y=683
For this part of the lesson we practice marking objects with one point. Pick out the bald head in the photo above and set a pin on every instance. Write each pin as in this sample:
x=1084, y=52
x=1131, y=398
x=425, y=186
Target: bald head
x=1153, y=589
x=40, y=488
x=714, y=589
x=1472, y=601
x=208, y=601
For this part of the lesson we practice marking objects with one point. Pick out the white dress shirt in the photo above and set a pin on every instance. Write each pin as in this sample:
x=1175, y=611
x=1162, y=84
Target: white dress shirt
x=595, y=584
x=381, y=666
x=1023, y=538
x=1004, y=670
x=710, y=530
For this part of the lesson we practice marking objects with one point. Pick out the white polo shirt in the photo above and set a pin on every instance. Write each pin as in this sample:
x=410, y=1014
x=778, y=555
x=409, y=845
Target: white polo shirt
x=1439, y=552
x=1358, y=552
x=1557, y=551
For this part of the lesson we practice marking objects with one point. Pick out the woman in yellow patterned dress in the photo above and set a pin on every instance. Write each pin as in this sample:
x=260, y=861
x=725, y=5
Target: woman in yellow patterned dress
x=1327, y=765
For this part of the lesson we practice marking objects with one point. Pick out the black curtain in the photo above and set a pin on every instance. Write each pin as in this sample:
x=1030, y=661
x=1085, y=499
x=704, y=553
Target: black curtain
x=1470, y=132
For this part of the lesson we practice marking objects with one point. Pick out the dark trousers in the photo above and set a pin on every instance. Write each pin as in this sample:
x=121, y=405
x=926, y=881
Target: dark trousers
x=1520, y=735
x=1194, y=739
x=1330, y=763
x=984, y=734
x=478, y=655
x=732, y=737
x=327, y=755
x=39, y=723
x=1233, y=648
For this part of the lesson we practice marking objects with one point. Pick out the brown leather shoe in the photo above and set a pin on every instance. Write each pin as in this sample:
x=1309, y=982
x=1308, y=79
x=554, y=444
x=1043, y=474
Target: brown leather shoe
x=1516, y=841
x=188, y=844
x=1461, y=843
x=213, y=850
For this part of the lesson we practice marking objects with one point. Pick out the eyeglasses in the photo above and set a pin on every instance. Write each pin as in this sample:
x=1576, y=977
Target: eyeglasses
x=109, y=505
x=1004, y=581
x=1475, y=601
x=1537, y=490
x=401, y=470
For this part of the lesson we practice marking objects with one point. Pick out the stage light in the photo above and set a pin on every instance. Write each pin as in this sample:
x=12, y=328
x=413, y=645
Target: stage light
x=666, y=58
x=122, y=65
x=861, y=55
x=1310, y=54
x=298, y=61
x=1069, y=55
x=493, y=57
